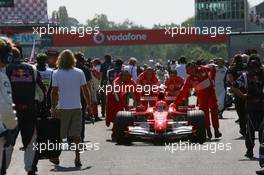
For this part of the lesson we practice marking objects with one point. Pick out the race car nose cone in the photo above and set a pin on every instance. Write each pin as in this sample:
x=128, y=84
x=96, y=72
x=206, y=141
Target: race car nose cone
x=160, y=126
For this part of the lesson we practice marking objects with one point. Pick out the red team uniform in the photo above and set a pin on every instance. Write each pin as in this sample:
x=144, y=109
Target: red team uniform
x=202, y=82
x=173, y=86
x=117, y=101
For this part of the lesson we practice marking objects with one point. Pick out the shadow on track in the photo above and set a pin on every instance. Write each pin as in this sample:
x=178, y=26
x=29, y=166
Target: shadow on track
x=249, y=160
x=68, y=169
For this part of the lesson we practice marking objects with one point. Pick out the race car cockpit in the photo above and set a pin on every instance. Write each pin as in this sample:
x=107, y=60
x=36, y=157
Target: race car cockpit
x=161, y=106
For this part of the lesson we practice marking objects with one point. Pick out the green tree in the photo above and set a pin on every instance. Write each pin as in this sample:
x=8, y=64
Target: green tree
x=101, y=21
x=63, y=18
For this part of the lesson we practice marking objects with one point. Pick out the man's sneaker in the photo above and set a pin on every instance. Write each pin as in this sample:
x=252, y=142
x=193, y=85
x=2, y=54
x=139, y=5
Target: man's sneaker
x=78, y=164
x=22, y=148
x=209, y=133
x=243, y=133
x=31, y=173
x=113, y=137
x=218, y=134
x=249, y=154
x=55, y=161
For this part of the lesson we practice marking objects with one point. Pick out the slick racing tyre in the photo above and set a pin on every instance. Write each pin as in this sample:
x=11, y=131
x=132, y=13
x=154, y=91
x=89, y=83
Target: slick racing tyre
x=196, y=118
x=123, y=120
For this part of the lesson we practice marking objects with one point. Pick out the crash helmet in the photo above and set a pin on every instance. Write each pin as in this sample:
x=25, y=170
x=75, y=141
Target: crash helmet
x=161, y=105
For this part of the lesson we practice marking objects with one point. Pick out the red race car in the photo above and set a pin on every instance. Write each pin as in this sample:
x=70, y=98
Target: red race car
x=161, y=122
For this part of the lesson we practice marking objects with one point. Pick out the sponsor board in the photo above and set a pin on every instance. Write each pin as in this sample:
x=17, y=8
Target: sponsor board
x=133, y=37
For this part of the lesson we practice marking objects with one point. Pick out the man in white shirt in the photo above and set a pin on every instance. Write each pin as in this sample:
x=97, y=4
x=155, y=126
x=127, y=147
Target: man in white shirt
x=181, y=68
x=67, y=83
x=132, y=68
x=173, y=64
x=220, y=88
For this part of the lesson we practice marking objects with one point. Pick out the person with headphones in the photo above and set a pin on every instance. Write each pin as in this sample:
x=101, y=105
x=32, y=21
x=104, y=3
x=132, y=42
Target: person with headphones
x=8, y=122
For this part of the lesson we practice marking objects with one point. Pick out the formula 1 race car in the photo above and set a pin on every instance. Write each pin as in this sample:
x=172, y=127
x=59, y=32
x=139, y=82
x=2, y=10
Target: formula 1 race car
x=161, y=122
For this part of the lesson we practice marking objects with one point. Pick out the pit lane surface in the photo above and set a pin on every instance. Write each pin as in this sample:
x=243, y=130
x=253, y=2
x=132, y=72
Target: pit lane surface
x=146, y=158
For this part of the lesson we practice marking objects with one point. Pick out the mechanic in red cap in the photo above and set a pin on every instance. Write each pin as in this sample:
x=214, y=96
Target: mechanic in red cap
x=150, y=83
x=123, y=88
x=173, y=84
x=199, y=78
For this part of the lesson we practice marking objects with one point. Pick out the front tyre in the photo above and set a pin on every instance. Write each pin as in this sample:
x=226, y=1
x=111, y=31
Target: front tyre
x=197, y=119
x=124, y=119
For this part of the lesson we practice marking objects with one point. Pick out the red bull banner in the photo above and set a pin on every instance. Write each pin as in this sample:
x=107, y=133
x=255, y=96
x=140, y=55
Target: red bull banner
x=135, y=37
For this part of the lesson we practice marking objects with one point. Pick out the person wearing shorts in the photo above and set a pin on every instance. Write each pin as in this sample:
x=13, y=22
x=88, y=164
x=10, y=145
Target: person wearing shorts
x=70, y=122
x=67, y=83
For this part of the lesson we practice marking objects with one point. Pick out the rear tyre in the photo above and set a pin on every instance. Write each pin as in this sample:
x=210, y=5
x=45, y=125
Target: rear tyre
x=196, y=118
x=123, y=120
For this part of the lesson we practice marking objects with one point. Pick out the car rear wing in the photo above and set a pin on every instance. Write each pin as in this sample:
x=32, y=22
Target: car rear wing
x=169, y=98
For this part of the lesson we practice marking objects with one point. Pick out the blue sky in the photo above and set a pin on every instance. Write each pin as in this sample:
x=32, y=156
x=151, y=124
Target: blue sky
x=145, y=12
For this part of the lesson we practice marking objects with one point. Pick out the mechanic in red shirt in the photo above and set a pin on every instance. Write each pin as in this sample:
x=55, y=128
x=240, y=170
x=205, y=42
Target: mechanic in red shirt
x=123, y=88
x=211, y=68
x=173, y=84
x=199, y=78
x=150, y=83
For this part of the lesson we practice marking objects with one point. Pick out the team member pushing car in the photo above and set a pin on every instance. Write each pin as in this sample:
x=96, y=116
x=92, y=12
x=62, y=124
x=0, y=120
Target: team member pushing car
x=120, y=99
x=199, y=79
x=173, y=84
x=149, y=81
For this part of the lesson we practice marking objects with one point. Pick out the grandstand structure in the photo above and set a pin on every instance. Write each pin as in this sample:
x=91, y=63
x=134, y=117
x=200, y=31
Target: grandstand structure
x=24, y=12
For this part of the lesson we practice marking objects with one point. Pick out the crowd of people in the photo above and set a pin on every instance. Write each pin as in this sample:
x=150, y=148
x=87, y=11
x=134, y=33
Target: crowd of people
x=69, y=87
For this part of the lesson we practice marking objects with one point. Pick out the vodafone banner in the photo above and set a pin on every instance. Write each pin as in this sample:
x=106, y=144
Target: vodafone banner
x=134, y=37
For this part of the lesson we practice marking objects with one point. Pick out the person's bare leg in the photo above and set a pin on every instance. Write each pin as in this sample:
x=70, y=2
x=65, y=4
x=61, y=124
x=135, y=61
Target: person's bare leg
x=76, y=141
